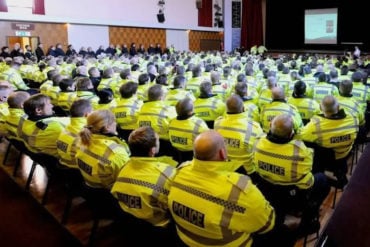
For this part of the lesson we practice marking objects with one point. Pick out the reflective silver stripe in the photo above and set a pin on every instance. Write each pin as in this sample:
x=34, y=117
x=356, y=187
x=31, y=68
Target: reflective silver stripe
x=210, y=241
x=224, y=203
x=335, y=129
x=181, y=130
x=249, y=132
x=134, y=108
x=153, y=114
x=20, y=126
x=294, y=169
x=319, y=133
x=243, y=131
x=234, y=198
x=97, y=157
x=280, y=156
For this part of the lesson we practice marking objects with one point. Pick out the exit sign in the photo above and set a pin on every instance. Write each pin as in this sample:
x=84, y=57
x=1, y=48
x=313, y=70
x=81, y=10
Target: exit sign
x=22, y=33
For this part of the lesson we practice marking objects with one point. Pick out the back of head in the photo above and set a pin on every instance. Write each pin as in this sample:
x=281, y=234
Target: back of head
x=143, y=79
x=345, y=87
x=277, y=93
x=329, y=105
x=105, y=95
x=80, y=108
x=97, y=123
x=108, y=73
x=282, y=126
x=57, y=79
x=82, y=70
x=16, y=99
x=155, y=93
x=205, y=88
x=234, y=104
x=143, y=142
x=51, y=73
x=128, y=89
x=241, y=89
x=66, y=84
x=209, y=146
x=161, y=79
x=299, y=88
x=94, y=72
x=83, y=84
x=215, y=77
x=356, y=76
x=184, y=107
x=125, y=74
x=179, y=81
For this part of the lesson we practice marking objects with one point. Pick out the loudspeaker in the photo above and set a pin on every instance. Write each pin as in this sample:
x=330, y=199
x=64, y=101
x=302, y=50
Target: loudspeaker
x=198, y=4
x=160, y=18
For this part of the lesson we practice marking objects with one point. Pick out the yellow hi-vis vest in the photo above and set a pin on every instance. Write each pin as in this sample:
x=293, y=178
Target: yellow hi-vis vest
x=67, y=142
x=142, y=187
x=127, y=112
x=209, y=109
x=306, y=107
x=337, y=134
x=214, y=207
x=239, y=133
x=101, y=161
x=183, y=132
x=65, y=100
x=12, y=123
x=284, y=164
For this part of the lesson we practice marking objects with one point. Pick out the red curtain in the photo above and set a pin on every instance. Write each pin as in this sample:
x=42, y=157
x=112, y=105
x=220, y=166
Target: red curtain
x=205, y=14
x=3, y=6
x=252, y=29
x=38, y=7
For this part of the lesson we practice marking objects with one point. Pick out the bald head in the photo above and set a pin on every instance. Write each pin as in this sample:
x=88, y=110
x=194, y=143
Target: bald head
x=277, y=93
x=234, y=104
x=282, y=126
x=329, y=105
x=210, y=146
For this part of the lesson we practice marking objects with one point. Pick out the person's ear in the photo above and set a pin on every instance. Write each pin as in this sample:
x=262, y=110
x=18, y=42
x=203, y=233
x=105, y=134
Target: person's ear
x=152, y=151
x=222, y=153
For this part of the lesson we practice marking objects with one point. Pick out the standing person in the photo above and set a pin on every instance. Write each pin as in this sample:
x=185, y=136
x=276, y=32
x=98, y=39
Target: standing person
x=59, y=50
x=356, y=53
x=17, y=51
x=211, y=205
x=133, y=51
x=70, y=51
x=39, y=52
x=28, y=54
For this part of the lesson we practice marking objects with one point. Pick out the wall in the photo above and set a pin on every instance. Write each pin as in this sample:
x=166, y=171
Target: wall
x=196, y=36
x=49, y=33
x=87, y=35
x=179, y=14
x=178, y=38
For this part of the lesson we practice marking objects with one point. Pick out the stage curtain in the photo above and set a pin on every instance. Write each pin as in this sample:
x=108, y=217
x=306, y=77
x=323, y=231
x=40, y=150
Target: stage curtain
x=3, y=6
x=252, y=29
x=205, y=14
x=38, y=7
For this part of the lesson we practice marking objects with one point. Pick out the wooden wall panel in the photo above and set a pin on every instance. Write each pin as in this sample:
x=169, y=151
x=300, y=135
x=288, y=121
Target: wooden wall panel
x=145, y=36
x=196, y=36
x=49, y=33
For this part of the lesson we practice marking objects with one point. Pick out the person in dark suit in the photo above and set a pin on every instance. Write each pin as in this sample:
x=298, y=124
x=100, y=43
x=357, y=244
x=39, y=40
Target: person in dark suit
x=39, y=52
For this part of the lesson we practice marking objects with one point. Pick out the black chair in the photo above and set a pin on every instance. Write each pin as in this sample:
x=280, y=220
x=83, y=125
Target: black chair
x=49, y=163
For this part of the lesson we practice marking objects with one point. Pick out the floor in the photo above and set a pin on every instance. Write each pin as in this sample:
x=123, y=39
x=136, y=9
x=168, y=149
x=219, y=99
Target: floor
x=80, y=220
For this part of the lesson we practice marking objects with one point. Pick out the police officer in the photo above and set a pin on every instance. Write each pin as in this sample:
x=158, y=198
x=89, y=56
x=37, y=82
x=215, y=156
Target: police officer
x=335, y=130
x=240, y=133
x=185, y=128
x=278, y=106
x=286, y=164
x=213, y=206
x=102, y=154
x=41, y=129
x=12, y=74
x=16, y=112
x=178, y=91
x=143, y=183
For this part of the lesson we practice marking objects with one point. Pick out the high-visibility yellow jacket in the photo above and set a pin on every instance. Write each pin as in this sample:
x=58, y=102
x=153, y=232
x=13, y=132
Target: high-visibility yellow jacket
x=41, y=135
x=214, y=207
x=142, y=187
x=127, y=112
x=209, y=109
x=14, y=129
x=101, y=161
x=239, y=133
x=176, y=94
x=14, y=77
x=337, y=133
x=183, y=131
x=67, y=142
x=157, y=115
x=65, y=100
x=306, y=107
x=287, y=163
x=4, y=112
x=321, y=89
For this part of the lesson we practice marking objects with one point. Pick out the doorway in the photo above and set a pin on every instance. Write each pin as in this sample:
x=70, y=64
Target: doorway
x=23, y=41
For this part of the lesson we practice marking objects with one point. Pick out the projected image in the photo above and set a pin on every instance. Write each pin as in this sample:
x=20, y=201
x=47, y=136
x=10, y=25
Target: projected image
x=321, y=26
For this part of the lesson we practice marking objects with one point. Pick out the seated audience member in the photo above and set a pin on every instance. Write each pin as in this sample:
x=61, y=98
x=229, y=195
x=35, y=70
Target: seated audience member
x=240, y=133
x=284, y=165
x=41, y=129
x=16, y=112
x=145, y=179
x=306, y=107
x=251, y=109
x=277, y=106
x=334, y=130
x=106, y=100
x=68, y=138
x=13, y=75
x=95, y=77
x=185, y=128
x=127, y=110
x=178, y=91
x=227, y=208
x=156, y=114
x=5, y=91
x=85, y=90
x=67, y=94
x=208, y=107
x=101, y=154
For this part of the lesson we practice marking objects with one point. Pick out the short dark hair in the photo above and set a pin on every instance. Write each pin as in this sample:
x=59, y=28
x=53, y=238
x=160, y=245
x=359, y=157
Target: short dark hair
x=141, y=140
x=128, y=89
x=80, y=107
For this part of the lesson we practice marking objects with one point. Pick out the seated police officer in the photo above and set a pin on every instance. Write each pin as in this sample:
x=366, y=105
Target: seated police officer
x=212, y=206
